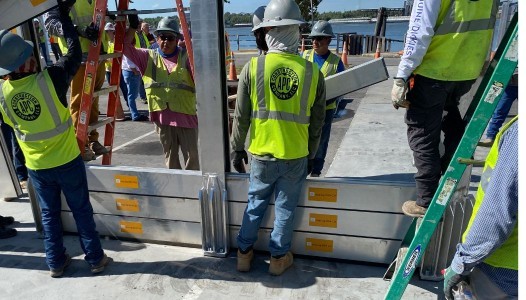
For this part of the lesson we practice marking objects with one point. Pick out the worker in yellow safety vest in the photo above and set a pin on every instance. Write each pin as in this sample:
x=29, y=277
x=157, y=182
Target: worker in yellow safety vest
x=488, y=257
x=446, y=47
x=141, y=41
x=35, y=105
x=281, y=99
x=82, y=16
x=329, y=64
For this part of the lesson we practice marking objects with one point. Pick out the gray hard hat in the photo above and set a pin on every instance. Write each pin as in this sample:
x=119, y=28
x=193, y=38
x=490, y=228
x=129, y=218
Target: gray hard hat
x=15, y=51
x=282, y=13
x=322, y=28
x=169, y=24
x=257, y=17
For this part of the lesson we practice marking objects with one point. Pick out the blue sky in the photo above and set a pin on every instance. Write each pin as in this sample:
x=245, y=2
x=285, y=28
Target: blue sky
x=248, y=6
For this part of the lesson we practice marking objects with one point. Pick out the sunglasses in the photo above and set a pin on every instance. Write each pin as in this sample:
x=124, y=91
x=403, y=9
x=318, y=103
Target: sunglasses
x=169, y=38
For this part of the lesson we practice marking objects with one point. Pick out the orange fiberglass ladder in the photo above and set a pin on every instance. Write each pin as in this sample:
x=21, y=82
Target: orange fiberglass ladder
x=92, y=63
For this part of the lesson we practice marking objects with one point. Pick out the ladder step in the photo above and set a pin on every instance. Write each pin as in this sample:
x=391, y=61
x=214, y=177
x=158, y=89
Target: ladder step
x=105, y=91
x=100, y=123
x=110, y=55
x=474, y=162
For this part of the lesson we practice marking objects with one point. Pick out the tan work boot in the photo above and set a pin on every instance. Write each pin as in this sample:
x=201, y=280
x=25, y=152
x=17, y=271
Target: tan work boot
x=410, y=208
x=88, y=154
x=95, y=269
x=244, y=260
x=98, y=148
x=486, y=143
x=55, y=273
x=280, y=265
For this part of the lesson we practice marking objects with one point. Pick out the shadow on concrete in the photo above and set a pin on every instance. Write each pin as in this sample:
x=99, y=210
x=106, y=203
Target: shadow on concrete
x=401, y=177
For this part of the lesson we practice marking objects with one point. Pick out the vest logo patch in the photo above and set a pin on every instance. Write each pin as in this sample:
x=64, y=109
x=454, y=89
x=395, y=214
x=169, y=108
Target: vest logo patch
x=26, y=106
x=284, y=83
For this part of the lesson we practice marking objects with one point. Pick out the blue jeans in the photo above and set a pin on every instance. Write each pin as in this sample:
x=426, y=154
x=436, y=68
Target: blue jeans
x=43, y=49
x=69, y=178
x=285, y=179
x=133, y=82
x=319, y=159
x=122, y=85
x=16, y=154
x=501, y=111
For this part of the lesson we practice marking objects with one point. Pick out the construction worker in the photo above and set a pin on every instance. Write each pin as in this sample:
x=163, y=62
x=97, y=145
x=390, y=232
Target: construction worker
x=55, y=47
x=109, y=29
x=5, y=232
x=41, y=41
x=35, y=105
x=488, y=256
x=259, y=32
x=441, y=75
x=142, y=41
x=82, y=16
x=281, y=98
x=329, y=64
x=170, y=90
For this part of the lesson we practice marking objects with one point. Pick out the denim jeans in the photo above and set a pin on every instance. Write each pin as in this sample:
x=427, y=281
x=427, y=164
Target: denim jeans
x=501, y=111
x=16, y=154
x=319, y=159
x=69, y=178
x=133, y=83
x=122, y=85
x=285, y=179
x=43, y=50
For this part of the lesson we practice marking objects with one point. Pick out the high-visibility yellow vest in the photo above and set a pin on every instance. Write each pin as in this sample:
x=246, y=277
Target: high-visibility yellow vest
x=42, y=125
x=329, y=67
x=138, y=42
x=175, y=90
x=507, y=255
x=282, y=91
x=82, y=15
x=461, y=41
x=111, y=49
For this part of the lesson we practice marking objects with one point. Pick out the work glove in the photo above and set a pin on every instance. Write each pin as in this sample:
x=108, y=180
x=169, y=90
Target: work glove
x=310, y=166
x=237, y=161
x=133, y=19
x=90, y=32
x=451, y=280
x=398, y=93
x=64, y=6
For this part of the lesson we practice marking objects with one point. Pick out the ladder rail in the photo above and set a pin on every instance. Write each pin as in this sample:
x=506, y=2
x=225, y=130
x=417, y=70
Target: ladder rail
x=486, y=99
x=186, y=34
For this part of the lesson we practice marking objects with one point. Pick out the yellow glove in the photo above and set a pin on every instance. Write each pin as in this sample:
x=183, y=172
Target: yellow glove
x=398, y=93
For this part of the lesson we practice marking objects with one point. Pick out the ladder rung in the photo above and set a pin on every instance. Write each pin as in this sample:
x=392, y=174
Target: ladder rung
x=100, y=123
x=474, y=162
x=110, y=55
x=105, y=91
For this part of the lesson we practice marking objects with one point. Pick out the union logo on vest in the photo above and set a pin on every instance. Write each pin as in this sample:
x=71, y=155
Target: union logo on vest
x=26, y=106
x=284, y=83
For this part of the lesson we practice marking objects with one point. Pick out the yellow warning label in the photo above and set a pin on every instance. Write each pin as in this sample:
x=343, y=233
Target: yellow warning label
x=127, y=182
x=36, y=2
x=322, y=194
x=319, y=245
x=127, y=204
x=322, y=220
x=131, y=227
x=87, y=86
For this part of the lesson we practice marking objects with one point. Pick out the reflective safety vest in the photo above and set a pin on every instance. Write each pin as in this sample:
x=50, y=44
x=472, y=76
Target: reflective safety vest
x=282, y=92
x=82, y=15
x=329, y=67
x=108, y=62
x=175, y=89
x=461, y=41
x=507, y=255
x=138, y=42
x=41, y=123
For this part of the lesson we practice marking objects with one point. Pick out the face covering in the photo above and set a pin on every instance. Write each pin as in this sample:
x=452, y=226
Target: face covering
x=283, y=39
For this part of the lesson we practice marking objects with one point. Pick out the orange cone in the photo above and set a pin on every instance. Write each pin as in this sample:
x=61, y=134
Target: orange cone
x=232, y=73
x=302, y=45
x=378, y=46
x=344, y=53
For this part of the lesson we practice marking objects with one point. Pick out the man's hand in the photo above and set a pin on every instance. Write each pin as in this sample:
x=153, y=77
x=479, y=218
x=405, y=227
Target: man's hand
x=64, y=6
x=90, y=32
x=310, y=166
x=237, y=161
x=398, y=93
x=451, y=279
x=133, y=19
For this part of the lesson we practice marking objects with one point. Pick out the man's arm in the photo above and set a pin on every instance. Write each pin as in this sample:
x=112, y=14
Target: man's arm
x=317, y=117
x=243, y=111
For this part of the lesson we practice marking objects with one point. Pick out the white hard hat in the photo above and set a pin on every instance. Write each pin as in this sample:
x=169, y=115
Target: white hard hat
x=109, y=27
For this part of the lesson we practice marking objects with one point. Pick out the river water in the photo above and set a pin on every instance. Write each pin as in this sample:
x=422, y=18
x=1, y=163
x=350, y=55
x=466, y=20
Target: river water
x=394, y=31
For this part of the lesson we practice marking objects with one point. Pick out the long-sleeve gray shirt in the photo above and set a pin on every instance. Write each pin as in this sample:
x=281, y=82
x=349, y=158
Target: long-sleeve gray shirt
x=243, y=114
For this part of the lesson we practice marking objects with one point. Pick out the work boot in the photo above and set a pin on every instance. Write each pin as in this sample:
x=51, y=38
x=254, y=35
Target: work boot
x=95, y=269
x=244, y=260
x=98, y=148
x=6, y=221
x=314, y=174
x=23, y=184
x=410, y=208
x=55, y=273
x=88, y=154
x=7, y=232
x=486, y=143
x=280, y=265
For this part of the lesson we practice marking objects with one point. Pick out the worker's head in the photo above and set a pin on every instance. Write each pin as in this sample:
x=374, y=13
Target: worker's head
x=259, y=32
x=109, y=28
x=167, y=34
x=145, y=27
x=36, y=23
x=281, y=20
x=17, y=54
x=321, y=35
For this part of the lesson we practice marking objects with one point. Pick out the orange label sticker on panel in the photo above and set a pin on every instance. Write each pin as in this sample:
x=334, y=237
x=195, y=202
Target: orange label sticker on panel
x=36, y=2
x=131, y=227
x=322, y=220
x=127, y=204
x=125, y=181
x=322, y=194
x=319, y=245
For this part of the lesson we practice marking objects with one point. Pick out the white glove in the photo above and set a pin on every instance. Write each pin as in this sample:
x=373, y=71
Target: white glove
x=398, y=93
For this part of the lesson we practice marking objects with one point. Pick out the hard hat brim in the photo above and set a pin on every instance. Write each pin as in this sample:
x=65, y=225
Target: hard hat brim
x=26, y=53
x=321, y=34
x=283, y=22
x=166, y=29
